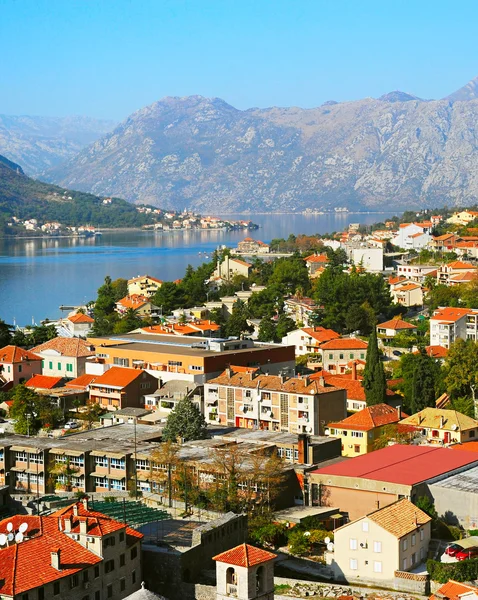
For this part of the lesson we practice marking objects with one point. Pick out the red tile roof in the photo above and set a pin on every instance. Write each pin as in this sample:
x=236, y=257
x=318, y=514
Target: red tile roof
x=317, y=258
x=245, y=556
x=74, y=347
x=458, y=264
x=466, y=276
x=436, y=351
x=81, y=318
x=452, y=590
x=321, y=334
x=44, y=382
x=140, y=277
x=369, y=418
x=450, y=314
x=395, y=280
x=14, y=354
x=353, y=387
x=408, y=287
x=241, y=262
x=396, y=324
x=467, y=447
x=118, y=377
x=82, y=381
x=345, y=344
x=134, y=301
x=407, y=465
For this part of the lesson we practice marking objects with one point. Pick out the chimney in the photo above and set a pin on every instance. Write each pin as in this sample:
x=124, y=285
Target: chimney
x=75, y=510
x=55, y=559
x=85, y=503
x=354, y=370
x=442, y=421
x=67, y=525
x=322, y=381
x=399, y=412
x=282, y=378
x=306, y=380
x=229, y=372
x=83, y=525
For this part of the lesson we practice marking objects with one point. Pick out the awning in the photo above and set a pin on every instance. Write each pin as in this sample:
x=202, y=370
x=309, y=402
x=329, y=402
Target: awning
x=106, y=476
x=17, y=469
x=34, y=471
x=26, y=449
x=109, y=454
x=61, y=452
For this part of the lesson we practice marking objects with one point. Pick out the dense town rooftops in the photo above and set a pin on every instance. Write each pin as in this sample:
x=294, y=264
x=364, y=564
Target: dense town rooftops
x=80, y=318
x=321, y=334
x=82, y=381
x=274, y=383
x=440, y=418
x=407, y=465
x=345, y=344
x=245, y=556
x=74, y=347
x=396, y=324
x=14, y=354
x=369, y=418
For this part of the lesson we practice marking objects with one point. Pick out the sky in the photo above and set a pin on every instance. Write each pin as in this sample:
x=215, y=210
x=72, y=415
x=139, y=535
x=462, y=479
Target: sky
x=108, y=58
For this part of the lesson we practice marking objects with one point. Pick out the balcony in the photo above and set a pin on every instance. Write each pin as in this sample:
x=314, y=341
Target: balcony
x=231, y=589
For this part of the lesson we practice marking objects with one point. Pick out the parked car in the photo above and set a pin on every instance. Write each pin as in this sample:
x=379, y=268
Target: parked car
x=467, y=553
x=71, y=425
x=453, y=549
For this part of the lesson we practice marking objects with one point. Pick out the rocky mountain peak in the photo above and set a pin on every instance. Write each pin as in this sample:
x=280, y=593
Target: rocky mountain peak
x=398, y=96
x=467, y=92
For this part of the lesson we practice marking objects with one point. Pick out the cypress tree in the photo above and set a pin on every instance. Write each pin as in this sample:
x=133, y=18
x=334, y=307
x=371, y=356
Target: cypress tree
x=374, y=381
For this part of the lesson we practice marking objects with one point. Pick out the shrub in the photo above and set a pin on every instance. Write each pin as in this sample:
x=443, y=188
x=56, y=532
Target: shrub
x=466, y=570
x=272, y=534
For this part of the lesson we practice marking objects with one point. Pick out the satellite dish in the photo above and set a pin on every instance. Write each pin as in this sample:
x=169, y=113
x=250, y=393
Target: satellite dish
x=23, y=527
x=330, y=546
x=9, y=526
x=19, y=537
x=327, y=540
x=10, y=537
x=307, y=533
x=3, y=539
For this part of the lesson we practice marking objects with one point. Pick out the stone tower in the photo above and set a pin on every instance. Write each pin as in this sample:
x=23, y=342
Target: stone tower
x=245, y=573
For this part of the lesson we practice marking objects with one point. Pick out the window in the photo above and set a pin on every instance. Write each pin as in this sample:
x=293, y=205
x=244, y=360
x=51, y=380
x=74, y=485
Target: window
x=413, y=559
x=364, y=525
x=331, y=356
x=25, y=597
x=362, y=356
x=175, y=363
x=118, y=484
x=404, y=544
x=414, y=537
x=145, y=386
x=133, y=577
x=97, y=571
x=377, y=566
x=74, y=581
x=59, y=366
x=341, y=356
x=86, y=576
x=20, y=370
x=101, y=461
x=109, y=541
x=195, y=368
x=56, y=588
x=353, y=564
x=117, y=463
x=109, y=566
x=356, y=449
x=109, y=591
x=50, y=365
x=351, y=355
x=134, y=552
x=121, y=362
x=42, y=364
x=41, y=593
x=353, y=544
x=422, y=535
x=121, y=536
x=69, y=367
x=122, y=560
x=122, y=584
x=377, y=547
x=404, y=566
x=471, y=434
x=98, y=595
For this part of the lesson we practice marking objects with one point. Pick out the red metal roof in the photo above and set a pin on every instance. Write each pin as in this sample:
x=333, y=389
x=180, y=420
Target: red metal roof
x=406, y=465
x=245, y=556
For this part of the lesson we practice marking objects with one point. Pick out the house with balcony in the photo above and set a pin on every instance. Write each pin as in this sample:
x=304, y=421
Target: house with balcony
x=17, y=366
x=308, y=340
x=251, y=246
x=447, y=324
x=300, y=309
x=143, y=285
x=442, y=427
x=389, y=329
x=451, y=270
x=413, y=236
x=165, y=398
x=316, y=263
x=407, y=294
x=247, y=398
x=377, y=547
x=120, y=387
x=140, y=305
x=338, y=353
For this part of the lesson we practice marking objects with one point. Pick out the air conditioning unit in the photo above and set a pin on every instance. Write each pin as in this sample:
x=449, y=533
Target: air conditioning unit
x=75, y=537
x=363, y=544
x=90, y=539
x=86, y=585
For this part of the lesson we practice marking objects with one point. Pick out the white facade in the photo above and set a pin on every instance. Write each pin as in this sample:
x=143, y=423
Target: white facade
x=55, y=364
x=412, y=237
x=449, y=324
x=371, y=259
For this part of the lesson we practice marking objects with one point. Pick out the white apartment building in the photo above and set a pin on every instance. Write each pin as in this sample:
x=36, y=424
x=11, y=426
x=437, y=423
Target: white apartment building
x=413, y=236
x=448, y=324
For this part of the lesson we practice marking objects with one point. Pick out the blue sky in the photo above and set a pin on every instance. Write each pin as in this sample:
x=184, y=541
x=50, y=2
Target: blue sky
x=107, y=58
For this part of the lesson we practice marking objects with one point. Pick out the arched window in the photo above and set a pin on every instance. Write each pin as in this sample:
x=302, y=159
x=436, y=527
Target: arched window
x=231, y=577
x=260, y=575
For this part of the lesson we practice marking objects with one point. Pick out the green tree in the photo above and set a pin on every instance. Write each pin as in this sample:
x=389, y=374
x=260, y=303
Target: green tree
x=284, y=325
x=5, y=334
x=169, y=297
x=461, y=369
x=41, y=333
x=119, y=288
x=374, y=381
x=237, y=324
x=185, y=422
x=426, y=504
x=105, y=301
x=421, y=380
x=289, y=274
x=128, y=322
x=32, y=411
x=267, y=330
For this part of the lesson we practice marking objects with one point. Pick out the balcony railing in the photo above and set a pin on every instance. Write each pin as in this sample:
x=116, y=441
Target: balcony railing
x=231, y=589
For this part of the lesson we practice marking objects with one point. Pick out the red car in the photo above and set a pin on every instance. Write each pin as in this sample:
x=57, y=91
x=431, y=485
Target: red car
x=466, y=554
x=453, y=549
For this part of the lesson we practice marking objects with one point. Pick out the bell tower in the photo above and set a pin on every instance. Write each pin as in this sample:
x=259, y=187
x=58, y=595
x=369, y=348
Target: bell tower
x=245, y=573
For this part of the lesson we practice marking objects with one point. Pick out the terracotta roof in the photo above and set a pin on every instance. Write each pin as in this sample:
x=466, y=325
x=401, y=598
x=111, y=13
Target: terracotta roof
x=74, y=347
x=317, y=258
x=395, y=280
x=14, y=354
x=466, y=276
x=452, y=590
x=408, y=287
x=369, y=418
x=450, y=314
x=44, y=382
x=433, y=417
x=444, y=237
x=396, y=324
x=245, y=556
x=467, y=447
x=140, y=277
x=134, y=301
x=416, y=235
x=321, y=334
x=400, y=518
x=170, y=329
x=293, y=385
x=436, y=351
x=27, y=565
x=80, y=318
x=118, y=377
x=241, y=262
x=458, y=264
x=345, y=344
x=82, y=381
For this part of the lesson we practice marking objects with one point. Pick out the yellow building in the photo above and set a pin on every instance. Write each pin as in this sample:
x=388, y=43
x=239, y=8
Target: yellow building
x=360, y=431
x=143, y=285
x=441, y=426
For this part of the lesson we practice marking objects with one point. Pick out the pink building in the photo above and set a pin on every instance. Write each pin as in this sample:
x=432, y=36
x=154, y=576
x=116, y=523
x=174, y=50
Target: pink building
x=17, y=366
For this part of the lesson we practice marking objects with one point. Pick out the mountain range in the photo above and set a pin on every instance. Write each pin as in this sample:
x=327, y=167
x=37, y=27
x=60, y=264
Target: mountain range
x=39, y=143
x=398, y=150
